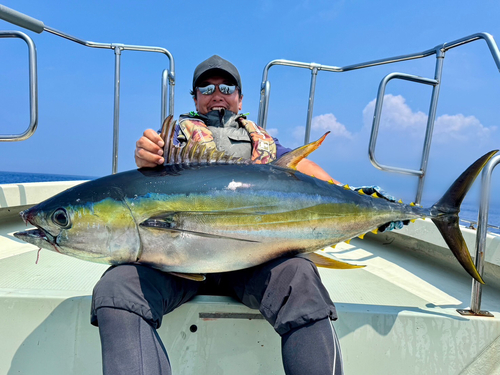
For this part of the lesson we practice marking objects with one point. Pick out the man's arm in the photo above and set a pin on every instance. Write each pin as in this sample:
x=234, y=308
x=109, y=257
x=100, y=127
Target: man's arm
x=305, y=166
x=310, y=168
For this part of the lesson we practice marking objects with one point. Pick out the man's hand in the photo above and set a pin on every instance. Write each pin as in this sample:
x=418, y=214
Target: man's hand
x=149, y=150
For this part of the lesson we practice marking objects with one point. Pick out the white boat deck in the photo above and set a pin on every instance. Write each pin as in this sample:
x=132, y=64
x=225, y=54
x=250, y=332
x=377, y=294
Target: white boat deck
x=397, y=315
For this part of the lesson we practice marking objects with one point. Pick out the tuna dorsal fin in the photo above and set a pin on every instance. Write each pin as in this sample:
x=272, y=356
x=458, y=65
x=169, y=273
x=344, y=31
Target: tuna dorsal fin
x=327, y=262
x=167, y=133
x=291, y=159
x=192, y=152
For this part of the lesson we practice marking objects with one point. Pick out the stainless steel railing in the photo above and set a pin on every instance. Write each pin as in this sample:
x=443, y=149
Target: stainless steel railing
x=438, y=51
x=475, y=304
x=168, y=76
x=33, y=88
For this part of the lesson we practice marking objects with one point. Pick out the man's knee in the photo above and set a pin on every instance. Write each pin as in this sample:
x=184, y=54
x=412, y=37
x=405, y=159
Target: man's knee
x=142, y=290
x=298, y=267
x=295, y=296
x=295, y=275
x=122, y=287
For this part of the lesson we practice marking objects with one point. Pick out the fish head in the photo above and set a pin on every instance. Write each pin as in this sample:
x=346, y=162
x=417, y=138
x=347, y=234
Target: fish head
x=87, y=222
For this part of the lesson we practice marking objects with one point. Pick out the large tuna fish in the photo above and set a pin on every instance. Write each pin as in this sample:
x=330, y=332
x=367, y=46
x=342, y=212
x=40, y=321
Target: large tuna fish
x=214, y=215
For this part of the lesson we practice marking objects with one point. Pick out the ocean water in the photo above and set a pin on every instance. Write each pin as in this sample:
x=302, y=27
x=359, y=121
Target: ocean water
x=15, y=177
x=470, y=213
x=468, y=210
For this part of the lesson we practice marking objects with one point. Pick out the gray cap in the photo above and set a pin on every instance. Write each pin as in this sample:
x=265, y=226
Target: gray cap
x=216, y=63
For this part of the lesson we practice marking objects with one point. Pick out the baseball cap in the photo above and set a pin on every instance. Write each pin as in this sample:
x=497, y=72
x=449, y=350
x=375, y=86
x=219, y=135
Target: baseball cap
x=214, y=64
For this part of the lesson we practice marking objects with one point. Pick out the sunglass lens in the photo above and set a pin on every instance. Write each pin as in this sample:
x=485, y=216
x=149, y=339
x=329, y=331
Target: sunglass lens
x=207, y=90
x=210, y=89
x=226, y=89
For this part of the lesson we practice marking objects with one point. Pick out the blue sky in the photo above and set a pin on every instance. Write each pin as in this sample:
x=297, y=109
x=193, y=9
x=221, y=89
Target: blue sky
x=74, y=134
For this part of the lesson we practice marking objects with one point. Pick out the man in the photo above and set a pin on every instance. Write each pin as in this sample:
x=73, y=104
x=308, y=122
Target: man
x=130, y=300
x=149, y=148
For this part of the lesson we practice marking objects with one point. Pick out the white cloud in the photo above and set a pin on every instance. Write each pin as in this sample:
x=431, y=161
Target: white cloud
x=460, y=128
x=328, y=122
x=320, y=125
x=398, y=116
x=273, y=132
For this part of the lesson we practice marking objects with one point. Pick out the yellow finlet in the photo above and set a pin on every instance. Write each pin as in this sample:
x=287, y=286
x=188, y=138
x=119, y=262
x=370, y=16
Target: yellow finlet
x=412, y=204
x=313, y=176
x=330, y=181
x=348, y=241
x=375, y=231
x=362, y=235
x=189, y=276
x=413, y=220
x=400, y=201
x=375, y=195
x=323, y=261
x=346, y=187
x=361, y=192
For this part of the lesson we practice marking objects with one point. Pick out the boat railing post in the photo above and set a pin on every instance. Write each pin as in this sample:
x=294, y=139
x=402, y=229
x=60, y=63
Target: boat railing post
x=376, y=123
x=481, y=236
x=265, y=89
x=310, y=106
x=264, y=104
x=37, y=26
x=116, y=111
x=33, y=87
x=430, y=123
x=265, y=92
x=167, y=99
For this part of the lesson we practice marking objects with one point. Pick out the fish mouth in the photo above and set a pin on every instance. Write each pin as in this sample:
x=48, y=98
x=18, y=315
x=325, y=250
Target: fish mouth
x=38, y=237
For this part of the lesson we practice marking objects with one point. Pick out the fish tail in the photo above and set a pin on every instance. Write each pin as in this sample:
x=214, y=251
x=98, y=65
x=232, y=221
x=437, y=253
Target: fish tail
x=445, y=215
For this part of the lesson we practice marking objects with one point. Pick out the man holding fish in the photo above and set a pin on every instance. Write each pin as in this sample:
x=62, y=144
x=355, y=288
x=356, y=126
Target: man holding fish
x=130, y=300
x=224, y=206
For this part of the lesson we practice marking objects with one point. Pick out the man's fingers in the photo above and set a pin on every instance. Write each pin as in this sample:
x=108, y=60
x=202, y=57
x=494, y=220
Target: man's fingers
x=147, y=159
x=154, y=137
x=149, y=150
x=148, y=145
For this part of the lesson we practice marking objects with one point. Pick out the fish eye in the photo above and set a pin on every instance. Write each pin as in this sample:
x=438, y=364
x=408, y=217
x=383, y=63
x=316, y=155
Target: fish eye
x=61, y=218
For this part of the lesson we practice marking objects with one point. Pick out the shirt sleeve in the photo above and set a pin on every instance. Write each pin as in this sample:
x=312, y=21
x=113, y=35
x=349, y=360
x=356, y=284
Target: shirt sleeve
x=176, y=135
x=280, y=150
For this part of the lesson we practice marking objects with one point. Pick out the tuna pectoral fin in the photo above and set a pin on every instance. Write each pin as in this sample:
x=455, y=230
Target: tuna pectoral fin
x=292, y=158
x=445, y=214
x=189, y=276
x=160, y=224
x=327, y=262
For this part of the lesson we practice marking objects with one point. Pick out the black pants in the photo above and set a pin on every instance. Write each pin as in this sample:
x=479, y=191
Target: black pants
x=288, y=293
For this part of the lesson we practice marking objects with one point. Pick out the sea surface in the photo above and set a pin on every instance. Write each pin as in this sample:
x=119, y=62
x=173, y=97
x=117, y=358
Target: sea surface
x=15, y=177
x=468, y=211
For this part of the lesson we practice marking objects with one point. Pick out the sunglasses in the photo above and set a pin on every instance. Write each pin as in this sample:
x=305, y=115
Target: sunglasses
x=223, y=88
